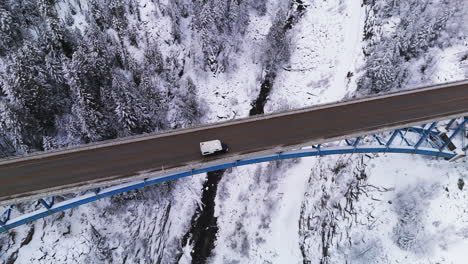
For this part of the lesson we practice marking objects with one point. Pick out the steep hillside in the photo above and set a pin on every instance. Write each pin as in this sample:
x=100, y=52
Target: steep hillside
x=80, y=71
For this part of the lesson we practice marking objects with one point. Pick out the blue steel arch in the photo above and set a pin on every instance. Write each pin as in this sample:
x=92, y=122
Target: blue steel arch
x=437, y=144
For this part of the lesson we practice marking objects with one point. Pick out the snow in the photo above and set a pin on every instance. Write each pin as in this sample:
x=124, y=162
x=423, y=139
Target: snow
x=79, y=20
x=450, y=66
x=438, y=225
x=263, y=228
x=284, y=239
x=415, y=214
x=186, y=257
x=323, y=53
x=154, y=26
x=280, y=242
x=326, y=46
x=228, y=94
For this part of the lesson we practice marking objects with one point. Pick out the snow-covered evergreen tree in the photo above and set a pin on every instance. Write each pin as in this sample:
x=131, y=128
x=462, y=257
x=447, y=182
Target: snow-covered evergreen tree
x=417, y=27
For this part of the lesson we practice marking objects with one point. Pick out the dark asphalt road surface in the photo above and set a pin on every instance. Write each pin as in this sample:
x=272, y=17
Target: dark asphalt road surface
x=20, y=177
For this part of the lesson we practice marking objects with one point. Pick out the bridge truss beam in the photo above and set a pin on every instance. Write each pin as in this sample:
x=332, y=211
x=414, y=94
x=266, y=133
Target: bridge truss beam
x=435, y=139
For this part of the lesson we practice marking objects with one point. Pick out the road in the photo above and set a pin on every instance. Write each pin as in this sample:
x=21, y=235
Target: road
x=23, y=177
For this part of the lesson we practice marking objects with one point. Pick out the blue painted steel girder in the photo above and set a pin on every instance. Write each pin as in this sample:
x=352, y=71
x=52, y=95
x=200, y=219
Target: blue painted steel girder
x=93, y=196
x=384, y=146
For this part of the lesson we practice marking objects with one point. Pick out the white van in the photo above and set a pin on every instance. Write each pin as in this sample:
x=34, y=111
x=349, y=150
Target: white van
x=212, y=147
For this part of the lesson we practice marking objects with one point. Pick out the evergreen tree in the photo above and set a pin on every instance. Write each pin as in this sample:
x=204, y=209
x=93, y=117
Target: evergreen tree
x=89, y=75
x=131, y=115
x=35, y=97
x=10, y=33
x=219, y=24
x=420, y=26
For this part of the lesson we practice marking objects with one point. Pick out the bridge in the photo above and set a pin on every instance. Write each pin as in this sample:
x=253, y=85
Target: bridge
x=422, y=121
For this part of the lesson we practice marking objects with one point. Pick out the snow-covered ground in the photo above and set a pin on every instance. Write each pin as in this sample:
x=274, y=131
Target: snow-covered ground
x=265, y=226
x=143, y=226
x=326, y=47
x=259, y=210
x=379, y=208
x=422, y=218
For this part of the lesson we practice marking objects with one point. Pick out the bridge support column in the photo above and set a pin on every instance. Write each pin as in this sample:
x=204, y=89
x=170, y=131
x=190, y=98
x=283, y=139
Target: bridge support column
x=425, y=134
x=403, y=138
x=96, y=192
x=5, y=218
x=390, y=141
x=464, y=136
x=379, y=140
x=278, y=154
x=46, y=204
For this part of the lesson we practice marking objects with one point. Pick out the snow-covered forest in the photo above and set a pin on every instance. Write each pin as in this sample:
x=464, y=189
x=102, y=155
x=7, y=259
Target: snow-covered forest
x=81, y=71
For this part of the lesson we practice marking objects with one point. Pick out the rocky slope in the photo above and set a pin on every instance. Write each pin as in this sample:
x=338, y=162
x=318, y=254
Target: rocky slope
x=117, y=68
